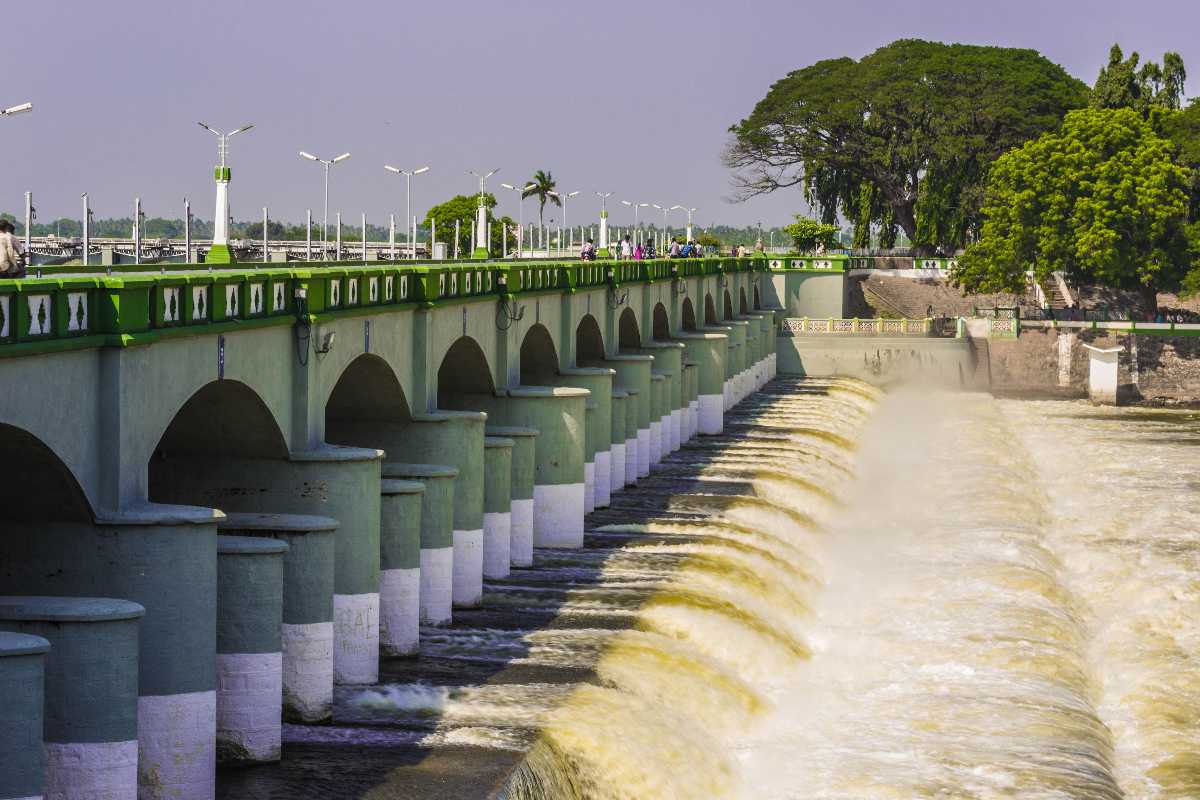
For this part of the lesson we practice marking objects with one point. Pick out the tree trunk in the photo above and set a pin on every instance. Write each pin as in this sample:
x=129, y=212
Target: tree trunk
x=906, y=218
x=1149, y=296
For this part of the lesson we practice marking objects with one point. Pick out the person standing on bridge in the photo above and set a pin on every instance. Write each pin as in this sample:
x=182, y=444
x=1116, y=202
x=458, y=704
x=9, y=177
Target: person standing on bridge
x=626, y=248
x=11, y=261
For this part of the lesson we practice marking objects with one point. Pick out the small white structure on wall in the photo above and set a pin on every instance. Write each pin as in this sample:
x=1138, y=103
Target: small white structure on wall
x=1102, y=374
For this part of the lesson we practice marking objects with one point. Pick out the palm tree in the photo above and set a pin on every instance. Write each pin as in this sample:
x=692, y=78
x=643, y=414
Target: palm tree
x=543, y=187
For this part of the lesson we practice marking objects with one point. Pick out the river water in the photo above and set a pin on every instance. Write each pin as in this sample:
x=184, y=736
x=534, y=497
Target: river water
x=849, y=595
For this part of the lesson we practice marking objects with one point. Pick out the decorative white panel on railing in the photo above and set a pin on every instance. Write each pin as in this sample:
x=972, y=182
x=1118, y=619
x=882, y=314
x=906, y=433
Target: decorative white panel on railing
x=352, y=291
x=77, y=318
x=231, y=300
x=4, y=315
x=39, y=314
x=200, y=302
x=170, y=304
x=335, y=293
x=467, y=283
x=256, y=298
x=373, y=290
x=403, y=287
x=277, y=304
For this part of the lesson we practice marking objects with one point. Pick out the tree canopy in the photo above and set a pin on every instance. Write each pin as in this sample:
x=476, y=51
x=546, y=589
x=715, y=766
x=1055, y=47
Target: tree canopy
x=903, y=137
x=808, y=233
x=1122, y=85
x=461, y=208
x=1101, y=200
x=542, y=186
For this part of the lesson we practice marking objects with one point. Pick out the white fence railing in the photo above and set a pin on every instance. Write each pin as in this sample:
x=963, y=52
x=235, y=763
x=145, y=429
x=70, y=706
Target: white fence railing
x=856, y=327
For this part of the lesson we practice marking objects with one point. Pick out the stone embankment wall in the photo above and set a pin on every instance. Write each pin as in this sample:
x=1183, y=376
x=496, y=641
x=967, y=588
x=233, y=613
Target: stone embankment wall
x=1055, y=362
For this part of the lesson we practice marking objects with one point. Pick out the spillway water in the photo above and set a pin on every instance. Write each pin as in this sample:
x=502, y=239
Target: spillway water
x=848, y=595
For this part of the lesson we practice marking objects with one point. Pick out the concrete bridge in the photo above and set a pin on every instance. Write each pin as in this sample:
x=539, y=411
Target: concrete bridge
x=371, y=441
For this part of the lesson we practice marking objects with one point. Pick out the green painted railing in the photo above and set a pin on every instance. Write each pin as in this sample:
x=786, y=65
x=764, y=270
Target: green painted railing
x=826, y=263
x=56, y=313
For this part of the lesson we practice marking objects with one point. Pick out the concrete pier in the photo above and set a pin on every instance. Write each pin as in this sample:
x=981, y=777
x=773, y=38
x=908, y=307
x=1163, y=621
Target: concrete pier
x=497, y=506
x=437, y=536
x=22, y=695
x=249, y=649
x=306, y=608
x=521, y=480
x=91, y=691
x=620, y=404
x=400, y=567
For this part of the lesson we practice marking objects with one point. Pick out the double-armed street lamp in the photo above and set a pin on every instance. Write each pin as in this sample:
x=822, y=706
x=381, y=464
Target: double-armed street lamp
x=564, y=198
x=689, y=211
x=520, y=213
x=635, y=207
x=218, y=252
x=482, y=245
x=411, y=223
x=603, y=251
x=325, y=220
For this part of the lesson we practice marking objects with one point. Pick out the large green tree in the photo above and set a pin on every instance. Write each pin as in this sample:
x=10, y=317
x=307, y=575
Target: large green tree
x=461, y=209
x=903, y=137
x=1102, y=200
x=808, y=233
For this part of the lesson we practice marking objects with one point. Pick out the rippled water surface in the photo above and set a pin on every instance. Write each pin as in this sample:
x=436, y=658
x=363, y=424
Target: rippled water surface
x=848, y=595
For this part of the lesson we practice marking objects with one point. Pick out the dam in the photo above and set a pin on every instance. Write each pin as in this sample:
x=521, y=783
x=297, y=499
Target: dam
x=564, y=531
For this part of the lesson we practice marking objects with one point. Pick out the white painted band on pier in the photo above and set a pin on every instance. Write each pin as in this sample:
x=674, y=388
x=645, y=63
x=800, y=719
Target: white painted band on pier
x=91, y=770
x=399, y=611
x=558, y=515
x=616, y=470
x=437, y=576
x=356, y=638
x=711, y=417
x=467, y=587
x=677, y=436
x=177, y=746
x=631, y=461
x=643, y=452
x=249, y=707
x=693, y=419
x=521, y=535
x=656, y=441
x=497, y=544
x=589, y=487
x=308, y=671
x=603, y=479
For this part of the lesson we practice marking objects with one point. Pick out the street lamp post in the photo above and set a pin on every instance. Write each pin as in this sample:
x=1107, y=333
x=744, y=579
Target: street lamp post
x=689, y=211
x=87, y=227
x=564, y=198
x=219, y=252
x=635, y=207
x=481, y=222
x=11, y=110
x=520, y=213
x=666, y=228
x=325, y=220
x=410, y=222
x=603, y=251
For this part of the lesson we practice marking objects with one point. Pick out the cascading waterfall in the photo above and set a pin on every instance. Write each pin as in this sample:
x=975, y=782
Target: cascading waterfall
x=848, y=595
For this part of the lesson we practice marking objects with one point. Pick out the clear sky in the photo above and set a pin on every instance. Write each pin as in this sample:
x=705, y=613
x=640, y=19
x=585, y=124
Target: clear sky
x=630, y=97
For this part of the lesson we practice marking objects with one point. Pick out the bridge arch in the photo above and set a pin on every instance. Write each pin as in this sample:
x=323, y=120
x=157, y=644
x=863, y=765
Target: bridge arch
x=223, y=420
x=366, y=393
x=661, y=323
x=589, y=343
x=629, y=334
x=539, y=357
x=743, y=307
x=47, y=489
x=757, y=298
x=688, y=313
x=464, y=370
x=710, y=311
x=728, y=306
